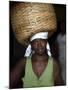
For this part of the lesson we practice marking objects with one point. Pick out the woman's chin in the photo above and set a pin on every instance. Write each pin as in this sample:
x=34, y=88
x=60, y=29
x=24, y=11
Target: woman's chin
x=40, y=53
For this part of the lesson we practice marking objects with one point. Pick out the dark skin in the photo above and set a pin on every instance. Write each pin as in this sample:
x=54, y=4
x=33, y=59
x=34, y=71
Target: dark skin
x=39, y=63
x=40, y=58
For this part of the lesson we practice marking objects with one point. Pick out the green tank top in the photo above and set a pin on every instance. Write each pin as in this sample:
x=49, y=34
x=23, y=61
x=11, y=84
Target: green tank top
x=45, y=80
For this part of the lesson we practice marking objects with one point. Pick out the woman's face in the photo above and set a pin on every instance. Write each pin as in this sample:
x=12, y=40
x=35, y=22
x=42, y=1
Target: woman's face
x=39, y=46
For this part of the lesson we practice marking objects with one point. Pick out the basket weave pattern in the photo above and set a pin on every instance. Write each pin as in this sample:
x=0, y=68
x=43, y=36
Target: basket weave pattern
x=30, y=18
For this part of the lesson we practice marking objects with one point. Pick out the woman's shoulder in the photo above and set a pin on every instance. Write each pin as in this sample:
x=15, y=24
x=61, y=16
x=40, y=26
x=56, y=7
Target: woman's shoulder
x=24, y=59
x=55, y=62
x=56, y=66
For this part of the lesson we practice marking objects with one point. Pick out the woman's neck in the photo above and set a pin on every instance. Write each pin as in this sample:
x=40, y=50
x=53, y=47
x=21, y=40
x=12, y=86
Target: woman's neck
x=39, y=57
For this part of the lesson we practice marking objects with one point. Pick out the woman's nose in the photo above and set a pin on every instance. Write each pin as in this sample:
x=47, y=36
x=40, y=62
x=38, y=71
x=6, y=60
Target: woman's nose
x=39, y=44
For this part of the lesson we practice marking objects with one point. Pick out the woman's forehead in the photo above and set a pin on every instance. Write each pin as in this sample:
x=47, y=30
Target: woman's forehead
x=39, y=39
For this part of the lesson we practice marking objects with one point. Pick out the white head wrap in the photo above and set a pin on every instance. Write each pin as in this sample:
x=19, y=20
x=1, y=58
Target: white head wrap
x=40, y=35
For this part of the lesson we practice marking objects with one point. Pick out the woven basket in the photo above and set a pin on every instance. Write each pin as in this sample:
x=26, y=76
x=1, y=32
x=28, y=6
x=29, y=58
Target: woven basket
x=30, y=18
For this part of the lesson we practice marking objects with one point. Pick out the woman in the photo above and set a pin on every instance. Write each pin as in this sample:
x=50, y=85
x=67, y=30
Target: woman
x=35, y=23
x=39, y=67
